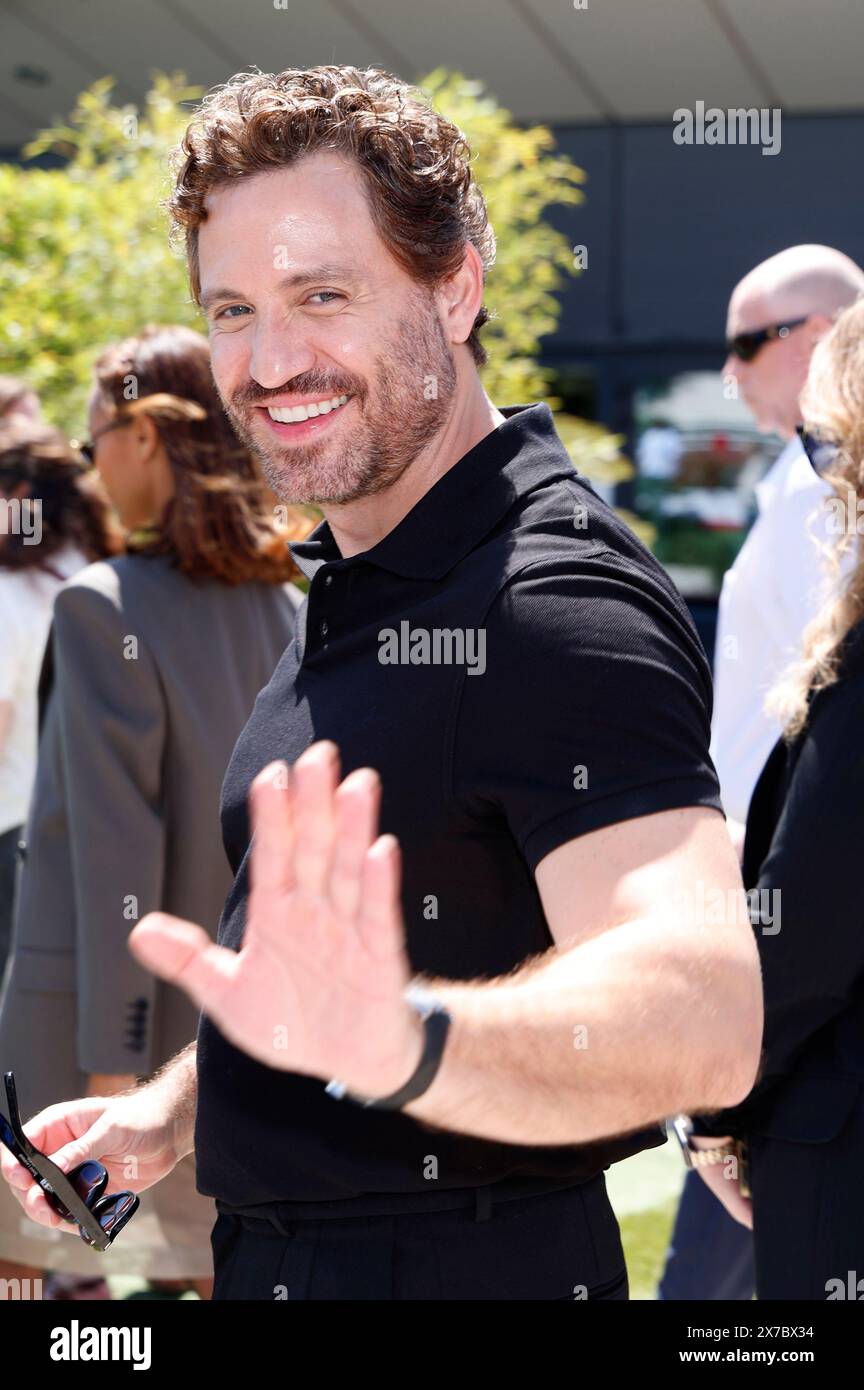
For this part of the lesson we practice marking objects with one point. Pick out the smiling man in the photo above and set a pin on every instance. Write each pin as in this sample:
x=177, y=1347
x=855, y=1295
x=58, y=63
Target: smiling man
x=420, y=1049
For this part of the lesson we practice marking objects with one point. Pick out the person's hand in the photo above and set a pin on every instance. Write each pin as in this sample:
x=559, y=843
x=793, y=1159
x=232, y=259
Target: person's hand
x=724, y=1180
x=134, y=1137
x=318, y=985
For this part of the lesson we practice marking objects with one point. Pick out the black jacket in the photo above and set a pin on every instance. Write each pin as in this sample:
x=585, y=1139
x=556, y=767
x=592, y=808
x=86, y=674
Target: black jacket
x=805, y=841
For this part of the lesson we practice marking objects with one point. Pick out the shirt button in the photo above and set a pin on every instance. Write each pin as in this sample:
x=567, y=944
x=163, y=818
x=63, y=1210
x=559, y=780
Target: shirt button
x=325, y=628
x=328, y=580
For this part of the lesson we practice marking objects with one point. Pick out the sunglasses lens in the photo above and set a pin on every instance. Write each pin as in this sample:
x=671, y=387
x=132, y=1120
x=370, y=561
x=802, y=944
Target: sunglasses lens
x=745, y=348
x=113, y=1212
x=89, y=1180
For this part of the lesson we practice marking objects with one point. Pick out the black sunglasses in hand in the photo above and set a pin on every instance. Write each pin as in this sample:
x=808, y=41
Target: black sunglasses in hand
x=746, y=346
x=77, y=1196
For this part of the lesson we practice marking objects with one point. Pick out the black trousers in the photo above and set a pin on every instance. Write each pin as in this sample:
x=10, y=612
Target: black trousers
x=808, y=1214
x=558, y=1245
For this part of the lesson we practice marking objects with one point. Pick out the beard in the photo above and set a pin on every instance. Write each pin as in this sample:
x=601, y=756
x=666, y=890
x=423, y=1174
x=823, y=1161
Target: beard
x=392, y=421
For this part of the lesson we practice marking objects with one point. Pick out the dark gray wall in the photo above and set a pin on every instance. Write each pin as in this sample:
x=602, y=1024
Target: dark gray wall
x=670, y=228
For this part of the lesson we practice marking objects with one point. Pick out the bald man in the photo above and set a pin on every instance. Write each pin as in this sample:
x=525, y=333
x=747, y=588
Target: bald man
x=777, y=313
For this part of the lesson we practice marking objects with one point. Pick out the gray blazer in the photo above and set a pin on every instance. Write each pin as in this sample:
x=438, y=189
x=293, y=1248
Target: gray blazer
x=154, y=677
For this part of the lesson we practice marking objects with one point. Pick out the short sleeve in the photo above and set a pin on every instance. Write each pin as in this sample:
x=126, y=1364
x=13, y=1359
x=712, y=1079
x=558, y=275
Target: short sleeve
x=594, y=707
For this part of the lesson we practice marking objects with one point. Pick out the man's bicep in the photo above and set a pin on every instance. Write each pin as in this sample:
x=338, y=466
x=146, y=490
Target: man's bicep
x=678, y=863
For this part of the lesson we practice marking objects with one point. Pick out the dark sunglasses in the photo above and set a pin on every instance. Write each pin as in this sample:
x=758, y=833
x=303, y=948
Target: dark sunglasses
x=77, y=1196
x=749, y=345
x=821, y=452
x=88, y=448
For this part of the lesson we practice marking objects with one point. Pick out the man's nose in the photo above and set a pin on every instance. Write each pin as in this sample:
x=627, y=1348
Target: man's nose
x=279, y=353
x=732, y=366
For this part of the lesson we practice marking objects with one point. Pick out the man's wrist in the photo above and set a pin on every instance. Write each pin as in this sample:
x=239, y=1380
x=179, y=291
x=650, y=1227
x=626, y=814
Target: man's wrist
x=175, y=1089
x=400, y=1066
x=419, y=1053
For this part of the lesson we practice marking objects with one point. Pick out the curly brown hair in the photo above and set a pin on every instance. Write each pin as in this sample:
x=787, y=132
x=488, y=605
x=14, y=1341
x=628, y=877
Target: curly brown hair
x=39, y=466
x=221, y=522
x=415, y=163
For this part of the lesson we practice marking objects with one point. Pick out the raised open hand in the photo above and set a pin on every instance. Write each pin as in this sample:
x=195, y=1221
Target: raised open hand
x=318, y=985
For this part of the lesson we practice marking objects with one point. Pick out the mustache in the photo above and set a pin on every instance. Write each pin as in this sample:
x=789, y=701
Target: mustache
x=252, y=394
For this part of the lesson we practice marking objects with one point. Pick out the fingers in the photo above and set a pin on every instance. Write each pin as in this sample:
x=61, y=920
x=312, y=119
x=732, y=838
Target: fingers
x=317, y=836
x=96, y=1143
x=357, y=806
x=380, y=918
x=271, y=798
x=316, y=777
x=36, y=1207
x=55, y=1119
x=183, y=954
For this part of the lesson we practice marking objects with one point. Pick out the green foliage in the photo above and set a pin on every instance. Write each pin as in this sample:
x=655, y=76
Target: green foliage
x=87, y=261
x=86, y=258
x=522, y=177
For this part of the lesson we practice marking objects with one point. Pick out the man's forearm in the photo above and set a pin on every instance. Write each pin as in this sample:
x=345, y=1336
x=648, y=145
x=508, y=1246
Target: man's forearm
x=176, y=1085
x=613, y=1034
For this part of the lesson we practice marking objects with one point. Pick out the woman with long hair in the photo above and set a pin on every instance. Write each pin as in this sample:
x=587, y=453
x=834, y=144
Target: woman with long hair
x=788, y=1160
x=157, y=656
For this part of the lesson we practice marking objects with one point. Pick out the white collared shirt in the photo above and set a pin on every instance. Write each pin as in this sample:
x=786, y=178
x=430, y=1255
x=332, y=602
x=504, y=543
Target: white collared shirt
x=26, y=602
x=777, y=584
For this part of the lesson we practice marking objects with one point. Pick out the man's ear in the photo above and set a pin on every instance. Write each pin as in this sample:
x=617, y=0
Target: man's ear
x=460, y=297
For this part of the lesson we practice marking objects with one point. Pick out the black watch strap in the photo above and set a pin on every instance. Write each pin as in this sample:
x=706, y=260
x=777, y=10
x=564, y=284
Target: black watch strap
x=436, y=1024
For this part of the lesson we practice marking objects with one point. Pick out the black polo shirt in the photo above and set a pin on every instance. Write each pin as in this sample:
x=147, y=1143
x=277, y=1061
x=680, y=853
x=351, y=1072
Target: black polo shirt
x=520, y=671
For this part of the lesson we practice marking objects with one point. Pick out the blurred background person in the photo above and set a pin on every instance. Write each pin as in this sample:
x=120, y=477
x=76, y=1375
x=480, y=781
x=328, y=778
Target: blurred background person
x=777, y=315
x=17, y=398
x=803, y=1123
x=155, y=661
x=54, y=520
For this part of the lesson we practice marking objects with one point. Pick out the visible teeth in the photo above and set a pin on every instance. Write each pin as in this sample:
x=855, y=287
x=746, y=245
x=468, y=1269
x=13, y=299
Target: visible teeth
x=289, y=415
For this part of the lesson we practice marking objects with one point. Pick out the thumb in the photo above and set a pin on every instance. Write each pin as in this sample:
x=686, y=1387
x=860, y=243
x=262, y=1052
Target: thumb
x=183, y=954
x=92, y=1144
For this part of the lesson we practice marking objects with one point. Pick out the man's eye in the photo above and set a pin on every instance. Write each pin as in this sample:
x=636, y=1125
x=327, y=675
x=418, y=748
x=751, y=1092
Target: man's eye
x=326, y=295
x=233, y=310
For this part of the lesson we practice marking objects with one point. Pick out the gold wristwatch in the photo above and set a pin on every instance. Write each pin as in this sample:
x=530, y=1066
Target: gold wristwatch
x=694, y=1157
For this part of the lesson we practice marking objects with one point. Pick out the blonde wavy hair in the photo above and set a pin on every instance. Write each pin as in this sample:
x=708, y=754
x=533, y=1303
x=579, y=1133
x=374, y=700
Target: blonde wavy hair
x=832, y=407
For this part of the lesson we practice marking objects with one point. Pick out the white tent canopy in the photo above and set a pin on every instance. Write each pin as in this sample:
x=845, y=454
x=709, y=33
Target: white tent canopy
x=559, y=61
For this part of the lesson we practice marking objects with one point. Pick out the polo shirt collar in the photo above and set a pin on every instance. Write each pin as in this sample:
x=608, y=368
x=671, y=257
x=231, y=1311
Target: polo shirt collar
x=463, y=506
